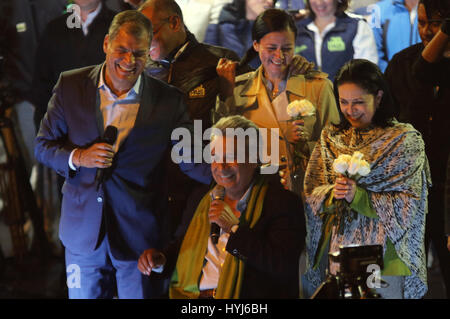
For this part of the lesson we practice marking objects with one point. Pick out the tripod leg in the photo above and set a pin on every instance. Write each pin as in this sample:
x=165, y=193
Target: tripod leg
x=21, y=196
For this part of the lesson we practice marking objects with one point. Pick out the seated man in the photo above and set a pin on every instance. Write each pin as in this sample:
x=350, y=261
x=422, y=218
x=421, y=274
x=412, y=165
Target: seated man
x=262, y=229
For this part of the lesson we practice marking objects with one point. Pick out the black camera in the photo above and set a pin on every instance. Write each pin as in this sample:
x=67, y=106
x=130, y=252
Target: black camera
x=358, y=275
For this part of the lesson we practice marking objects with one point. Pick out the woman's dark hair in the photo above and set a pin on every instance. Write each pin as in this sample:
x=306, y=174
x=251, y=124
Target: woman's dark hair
x=342, y=5
x=367, y=76
x=271, y=20
x=439, y=7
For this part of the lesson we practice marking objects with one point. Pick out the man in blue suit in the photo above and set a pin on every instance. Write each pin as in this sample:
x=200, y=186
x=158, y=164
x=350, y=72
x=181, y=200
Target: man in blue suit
x=107, y=223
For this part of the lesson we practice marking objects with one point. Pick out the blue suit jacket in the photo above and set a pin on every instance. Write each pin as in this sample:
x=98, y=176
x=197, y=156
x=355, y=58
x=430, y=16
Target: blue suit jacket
x=132, y=199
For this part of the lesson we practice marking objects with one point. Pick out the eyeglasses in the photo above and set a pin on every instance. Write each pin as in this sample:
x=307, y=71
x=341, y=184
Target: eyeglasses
x=164, y=21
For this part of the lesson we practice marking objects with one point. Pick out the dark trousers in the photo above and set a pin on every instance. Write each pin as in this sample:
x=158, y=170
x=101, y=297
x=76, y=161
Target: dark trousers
x=435, y=232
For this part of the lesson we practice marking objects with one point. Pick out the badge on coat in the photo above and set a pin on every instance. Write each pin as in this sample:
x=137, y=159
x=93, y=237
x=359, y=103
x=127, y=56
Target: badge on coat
x=197, y=93
x=299, y=49
x=21, y=27
x=336, y=44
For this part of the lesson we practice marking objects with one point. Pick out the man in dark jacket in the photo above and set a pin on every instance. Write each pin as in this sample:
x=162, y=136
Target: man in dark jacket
x=423, y=99
x=21, y=24
x=179, y=59
x=261, y=229
x=69, y=42
x=109, y=216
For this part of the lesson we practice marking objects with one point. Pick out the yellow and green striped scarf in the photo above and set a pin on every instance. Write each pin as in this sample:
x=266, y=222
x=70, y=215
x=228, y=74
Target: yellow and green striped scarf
x=186, y=277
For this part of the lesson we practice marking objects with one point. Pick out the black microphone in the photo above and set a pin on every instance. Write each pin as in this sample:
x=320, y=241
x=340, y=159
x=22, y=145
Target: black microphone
x=109, y=137
x=218, y=192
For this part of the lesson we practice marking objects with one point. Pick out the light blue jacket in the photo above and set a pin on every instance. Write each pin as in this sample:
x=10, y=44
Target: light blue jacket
x=393, y=31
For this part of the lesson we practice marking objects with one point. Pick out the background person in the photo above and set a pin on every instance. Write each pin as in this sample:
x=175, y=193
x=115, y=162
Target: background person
x=394, y=25
x=198, y=14
x=329, y=37
x=423, y=96
x=63, y=47
x=21, y=24
x=234, y=29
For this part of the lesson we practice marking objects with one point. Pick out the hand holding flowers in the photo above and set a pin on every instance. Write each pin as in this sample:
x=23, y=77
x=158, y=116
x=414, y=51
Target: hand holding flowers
x=349, y=168
x=298, y=110
x=345, y=188
x=293, y=132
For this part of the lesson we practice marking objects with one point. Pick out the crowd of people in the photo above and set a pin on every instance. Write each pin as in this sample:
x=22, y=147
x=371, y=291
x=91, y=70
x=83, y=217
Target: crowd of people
x=349, y=109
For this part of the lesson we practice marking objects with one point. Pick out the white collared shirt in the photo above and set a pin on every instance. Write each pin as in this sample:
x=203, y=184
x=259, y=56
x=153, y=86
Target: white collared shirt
x=119, y=111
x=364, y=45
x=216, y=254
x=90, y=17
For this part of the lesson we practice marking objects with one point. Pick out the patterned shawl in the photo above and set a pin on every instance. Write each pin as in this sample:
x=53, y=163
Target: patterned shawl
x=397, y=186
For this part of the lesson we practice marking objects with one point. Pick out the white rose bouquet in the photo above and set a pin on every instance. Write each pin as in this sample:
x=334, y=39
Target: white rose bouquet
x=352, y=167
x=299, y=109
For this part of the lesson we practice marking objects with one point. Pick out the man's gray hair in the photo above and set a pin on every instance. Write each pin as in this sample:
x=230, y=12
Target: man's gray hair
x=136, y=23
x=234, y=121
x=245, y=131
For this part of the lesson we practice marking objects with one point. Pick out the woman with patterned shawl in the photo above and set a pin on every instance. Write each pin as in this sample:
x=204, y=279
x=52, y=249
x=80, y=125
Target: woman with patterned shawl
x=388, y=205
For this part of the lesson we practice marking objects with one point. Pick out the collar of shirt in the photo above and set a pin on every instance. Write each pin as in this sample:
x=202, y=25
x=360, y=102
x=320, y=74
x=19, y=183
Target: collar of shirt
x=318, y=39
x=269, y=86
x=413, y=14
x=242, y=204
x=121, y=111
x=132, y=93
x=312, y=27
x=90, y=17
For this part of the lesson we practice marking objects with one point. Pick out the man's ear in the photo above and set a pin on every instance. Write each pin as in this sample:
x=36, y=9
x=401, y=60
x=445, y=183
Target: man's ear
x=105, y=43
x=175, y=23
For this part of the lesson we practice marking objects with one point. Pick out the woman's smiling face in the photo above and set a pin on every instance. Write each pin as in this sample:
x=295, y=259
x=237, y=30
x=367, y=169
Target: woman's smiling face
x=357, y=105
x=276, y=50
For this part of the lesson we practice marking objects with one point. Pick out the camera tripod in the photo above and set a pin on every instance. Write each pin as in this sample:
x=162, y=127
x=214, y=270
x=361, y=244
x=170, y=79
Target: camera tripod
x=17, y=195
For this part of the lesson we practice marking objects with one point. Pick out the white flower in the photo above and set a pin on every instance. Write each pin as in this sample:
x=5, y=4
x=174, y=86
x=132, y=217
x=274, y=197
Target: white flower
x=351, y=165
x=357, y=156
x=300, y=108
x=340, y=164
x=357, y=165
x=364, y=168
